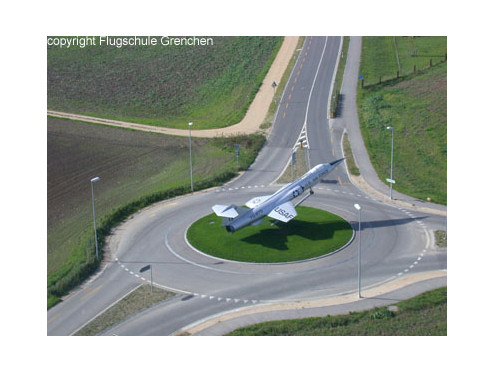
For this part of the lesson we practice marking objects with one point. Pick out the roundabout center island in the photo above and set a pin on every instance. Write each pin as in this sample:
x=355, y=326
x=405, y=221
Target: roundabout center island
x=311, y=234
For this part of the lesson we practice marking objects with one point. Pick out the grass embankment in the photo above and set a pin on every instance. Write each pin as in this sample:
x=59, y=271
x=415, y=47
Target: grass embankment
x=349, y=157
x=162, y=85
x=335, y=100
x=299, y=168
x=423, y=315
x=136, y=301
x=312, y=233
x=136, y=169
x=415, y=104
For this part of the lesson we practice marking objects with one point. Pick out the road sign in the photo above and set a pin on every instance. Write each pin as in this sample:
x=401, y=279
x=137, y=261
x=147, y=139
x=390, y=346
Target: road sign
x=390, y=181
x=147, y=268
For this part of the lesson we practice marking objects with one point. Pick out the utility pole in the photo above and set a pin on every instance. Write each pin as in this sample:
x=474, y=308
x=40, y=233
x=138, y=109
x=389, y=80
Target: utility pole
x=357, y=207
x=391, y=180
x=94, y=180
x=190, y=156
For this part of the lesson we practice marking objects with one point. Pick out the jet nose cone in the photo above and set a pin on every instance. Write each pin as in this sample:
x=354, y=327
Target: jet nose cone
x=335, y=163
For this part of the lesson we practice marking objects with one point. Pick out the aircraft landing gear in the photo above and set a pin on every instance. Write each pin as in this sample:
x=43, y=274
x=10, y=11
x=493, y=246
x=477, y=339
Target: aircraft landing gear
x=311, y=192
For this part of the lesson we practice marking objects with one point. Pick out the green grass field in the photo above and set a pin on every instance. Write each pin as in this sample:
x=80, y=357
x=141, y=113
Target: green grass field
x=424, y=315
x=135, y=168
x=162, y=85
x=384, y=56
x=415, y=105
x=311, y=234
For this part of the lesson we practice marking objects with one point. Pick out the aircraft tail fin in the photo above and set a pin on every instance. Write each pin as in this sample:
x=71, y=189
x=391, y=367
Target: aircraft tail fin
x=230, y=212
x=226, y=211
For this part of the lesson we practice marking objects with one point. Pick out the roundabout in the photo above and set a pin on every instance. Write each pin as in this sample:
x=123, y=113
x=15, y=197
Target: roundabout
x=158, y=236
x=312, y=234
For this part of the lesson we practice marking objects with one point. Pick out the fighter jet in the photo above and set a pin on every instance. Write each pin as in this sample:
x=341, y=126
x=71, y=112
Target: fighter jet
x=278, y=205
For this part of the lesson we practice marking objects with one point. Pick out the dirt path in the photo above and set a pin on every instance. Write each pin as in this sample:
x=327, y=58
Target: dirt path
x=249, y=124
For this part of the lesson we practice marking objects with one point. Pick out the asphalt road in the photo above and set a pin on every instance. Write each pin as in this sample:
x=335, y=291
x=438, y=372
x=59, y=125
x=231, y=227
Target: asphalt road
x=395, y=241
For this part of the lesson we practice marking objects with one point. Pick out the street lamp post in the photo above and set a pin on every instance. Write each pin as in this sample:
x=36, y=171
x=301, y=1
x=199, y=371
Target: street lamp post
x=94, y=180
x=190, y=156
x=391, y=180
x=357, y=207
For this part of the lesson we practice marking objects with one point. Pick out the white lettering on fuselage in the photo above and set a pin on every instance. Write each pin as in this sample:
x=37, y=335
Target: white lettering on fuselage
x=256, y=214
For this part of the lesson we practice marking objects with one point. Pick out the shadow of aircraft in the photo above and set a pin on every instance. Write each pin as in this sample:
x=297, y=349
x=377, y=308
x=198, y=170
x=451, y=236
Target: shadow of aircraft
x=276, y=236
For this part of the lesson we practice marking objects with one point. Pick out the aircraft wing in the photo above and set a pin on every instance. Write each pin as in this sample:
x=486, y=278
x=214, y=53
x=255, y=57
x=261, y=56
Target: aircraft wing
x=284, y=212
x=256, y=201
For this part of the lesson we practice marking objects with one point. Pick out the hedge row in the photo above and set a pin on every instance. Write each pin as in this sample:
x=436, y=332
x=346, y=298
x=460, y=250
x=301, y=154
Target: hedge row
x=78, y=270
